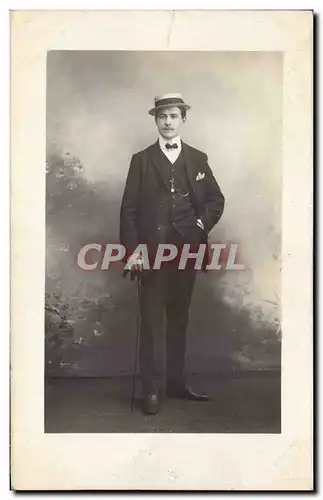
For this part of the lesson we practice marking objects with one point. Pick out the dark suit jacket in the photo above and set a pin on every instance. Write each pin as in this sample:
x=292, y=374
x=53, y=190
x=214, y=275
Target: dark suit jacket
x=139, y=207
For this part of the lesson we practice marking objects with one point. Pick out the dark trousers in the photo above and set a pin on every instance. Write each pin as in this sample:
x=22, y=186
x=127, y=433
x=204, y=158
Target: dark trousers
x=165, y=298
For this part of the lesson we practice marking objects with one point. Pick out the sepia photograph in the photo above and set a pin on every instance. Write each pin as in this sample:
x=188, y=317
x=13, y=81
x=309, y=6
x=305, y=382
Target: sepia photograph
x=162, y=250
x=176, y=347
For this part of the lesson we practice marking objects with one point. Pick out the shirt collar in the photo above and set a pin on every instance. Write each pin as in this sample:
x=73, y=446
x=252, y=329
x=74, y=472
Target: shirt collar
x=175, y=140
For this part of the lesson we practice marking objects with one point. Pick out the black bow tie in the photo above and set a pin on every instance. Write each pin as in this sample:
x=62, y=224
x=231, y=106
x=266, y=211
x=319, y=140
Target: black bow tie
x=171, y=146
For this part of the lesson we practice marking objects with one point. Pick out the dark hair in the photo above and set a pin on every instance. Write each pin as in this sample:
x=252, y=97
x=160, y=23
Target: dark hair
x=182, y=110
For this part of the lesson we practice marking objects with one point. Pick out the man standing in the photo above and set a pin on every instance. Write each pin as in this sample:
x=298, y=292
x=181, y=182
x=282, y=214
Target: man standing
x=170, y=196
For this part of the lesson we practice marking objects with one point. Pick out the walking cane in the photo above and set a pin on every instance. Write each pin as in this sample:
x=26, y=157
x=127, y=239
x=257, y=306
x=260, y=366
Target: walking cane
x=138, y=322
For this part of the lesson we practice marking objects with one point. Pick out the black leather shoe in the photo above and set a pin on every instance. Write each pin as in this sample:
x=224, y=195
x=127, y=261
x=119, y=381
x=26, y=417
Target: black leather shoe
x=150, y=405
x=185, y=392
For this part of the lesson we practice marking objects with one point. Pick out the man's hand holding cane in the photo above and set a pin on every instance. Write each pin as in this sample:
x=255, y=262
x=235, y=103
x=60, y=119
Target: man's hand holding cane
x=134, y=266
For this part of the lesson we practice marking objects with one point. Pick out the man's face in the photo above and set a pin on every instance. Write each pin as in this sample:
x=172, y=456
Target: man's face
x=169, y=121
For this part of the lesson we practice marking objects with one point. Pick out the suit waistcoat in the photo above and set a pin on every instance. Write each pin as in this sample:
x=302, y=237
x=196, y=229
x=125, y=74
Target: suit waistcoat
x=175, y=207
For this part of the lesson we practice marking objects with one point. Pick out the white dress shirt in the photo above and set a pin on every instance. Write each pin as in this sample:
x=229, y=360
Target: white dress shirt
x=172, y=154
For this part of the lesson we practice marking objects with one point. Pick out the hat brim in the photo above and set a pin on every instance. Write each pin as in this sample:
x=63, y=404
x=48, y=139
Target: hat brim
x=153, y=111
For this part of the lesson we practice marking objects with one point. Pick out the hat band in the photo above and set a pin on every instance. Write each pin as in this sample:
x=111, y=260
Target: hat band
x=169, y=100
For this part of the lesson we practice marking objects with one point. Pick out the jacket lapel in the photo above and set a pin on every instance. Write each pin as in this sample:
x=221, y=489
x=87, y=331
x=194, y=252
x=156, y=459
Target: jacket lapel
x=155, y=153
x=190, y=166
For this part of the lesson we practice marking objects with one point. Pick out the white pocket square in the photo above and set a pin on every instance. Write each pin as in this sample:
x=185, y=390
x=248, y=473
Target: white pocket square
x=200, y=176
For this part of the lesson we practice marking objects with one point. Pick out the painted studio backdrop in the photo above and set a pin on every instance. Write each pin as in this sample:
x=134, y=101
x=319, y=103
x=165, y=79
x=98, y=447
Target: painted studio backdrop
x=97, y=117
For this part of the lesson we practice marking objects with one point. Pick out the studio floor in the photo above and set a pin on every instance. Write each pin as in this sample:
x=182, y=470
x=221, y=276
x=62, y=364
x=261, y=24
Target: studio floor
x=244, y=403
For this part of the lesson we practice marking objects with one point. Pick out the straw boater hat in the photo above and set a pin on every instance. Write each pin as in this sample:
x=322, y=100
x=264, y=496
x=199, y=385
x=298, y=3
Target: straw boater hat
x=168, y=100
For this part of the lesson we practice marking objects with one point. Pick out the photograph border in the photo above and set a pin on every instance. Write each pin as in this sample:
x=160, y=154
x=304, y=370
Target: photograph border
x=154, y=461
